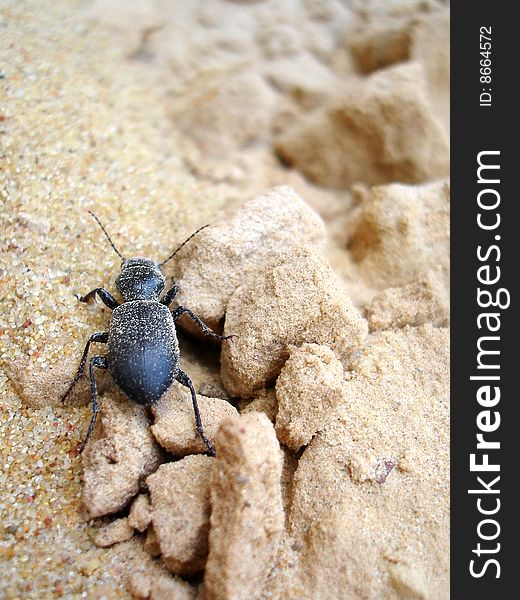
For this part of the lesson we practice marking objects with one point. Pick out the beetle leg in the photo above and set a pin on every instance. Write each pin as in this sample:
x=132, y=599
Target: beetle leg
x=101, y=338
x=170, y=295
x=183, y=378
x=102, y=363
x=105, y=295
x=180, y=310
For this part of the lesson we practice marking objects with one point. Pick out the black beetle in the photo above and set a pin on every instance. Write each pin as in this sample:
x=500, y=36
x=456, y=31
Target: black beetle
x=143, y=351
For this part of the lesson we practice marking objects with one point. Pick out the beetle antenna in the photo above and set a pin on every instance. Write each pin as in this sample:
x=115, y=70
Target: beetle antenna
x=183, y=244
x=108, y=237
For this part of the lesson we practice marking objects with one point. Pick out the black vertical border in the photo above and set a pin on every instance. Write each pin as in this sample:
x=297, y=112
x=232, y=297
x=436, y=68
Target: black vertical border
x=474, y=129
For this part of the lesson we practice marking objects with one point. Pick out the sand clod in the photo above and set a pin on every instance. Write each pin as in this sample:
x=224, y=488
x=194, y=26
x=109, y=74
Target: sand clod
x=151, y=543
x=224, y=255
x=381, y=129
x=115, y=465
x=155, y=584
x=204, y=112
x=39, y=387
x=140, y=514
x=380, y=46
x=264, y=402
x=409, y=581
x=377, y=492
x=114, y=533
x=309, y=387
x=179, y=498
x=247, y=513
x=296, y=299
x=175, y=425
x=423, y=301
x=401, y=232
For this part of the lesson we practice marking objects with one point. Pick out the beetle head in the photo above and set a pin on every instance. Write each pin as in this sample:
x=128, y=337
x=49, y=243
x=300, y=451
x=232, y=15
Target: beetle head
x=140, y=279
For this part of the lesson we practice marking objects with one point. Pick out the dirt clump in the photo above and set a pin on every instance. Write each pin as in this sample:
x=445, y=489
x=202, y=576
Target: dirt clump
x=246, y=508
x=262, y=315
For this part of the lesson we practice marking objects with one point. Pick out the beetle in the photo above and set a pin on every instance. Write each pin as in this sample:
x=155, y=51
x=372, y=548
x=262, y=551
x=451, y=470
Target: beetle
x=143, y=351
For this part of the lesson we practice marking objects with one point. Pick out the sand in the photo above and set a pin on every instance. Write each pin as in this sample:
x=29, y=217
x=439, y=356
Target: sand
x=161, y=122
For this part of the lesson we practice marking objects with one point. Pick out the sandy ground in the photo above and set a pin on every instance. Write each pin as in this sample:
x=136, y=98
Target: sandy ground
x=161, y=118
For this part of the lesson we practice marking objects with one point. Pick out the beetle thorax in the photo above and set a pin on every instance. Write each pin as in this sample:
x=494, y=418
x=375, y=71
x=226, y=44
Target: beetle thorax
x=140, y=279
